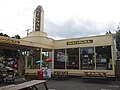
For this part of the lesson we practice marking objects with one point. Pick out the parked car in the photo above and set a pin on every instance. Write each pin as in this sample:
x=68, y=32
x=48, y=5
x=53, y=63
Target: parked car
x=11, y=62
x=3, y=71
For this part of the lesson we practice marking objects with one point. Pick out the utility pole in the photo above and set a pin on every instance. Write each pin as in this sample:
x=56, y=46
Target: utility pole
x=27, y=31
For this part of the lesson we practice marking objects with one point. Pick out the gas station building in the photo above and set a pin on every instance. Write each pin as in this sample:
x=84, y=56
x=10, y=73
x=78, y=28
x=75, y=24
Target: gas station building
x=75, y=55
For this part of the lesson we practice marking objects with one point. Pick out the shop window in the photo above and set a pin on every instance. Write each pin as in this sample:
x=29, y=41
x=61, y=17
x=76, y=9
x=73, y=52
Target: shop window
x=33, y=61
x=87, y=58
x=72, y=60
x=59, y=58
x=103, y=58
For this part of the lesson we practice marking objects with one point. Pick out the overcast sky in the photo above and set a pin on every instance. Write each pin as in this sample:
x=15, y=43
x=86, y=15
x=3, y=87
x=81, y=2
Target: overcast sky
x=62, y=18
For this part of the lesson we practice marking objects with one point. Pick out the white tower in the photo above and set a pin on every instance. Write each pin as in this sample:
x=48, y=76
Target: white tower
x=38, y=35
x=38, y=19
x=38, y=23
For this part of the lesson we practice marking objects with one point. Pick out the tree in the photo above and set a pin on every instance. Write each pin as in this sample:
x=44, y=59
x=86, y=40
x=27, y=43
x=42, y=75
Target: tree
x=1, y=34
x=16, y=36
x=118, y=40
x=5, y=35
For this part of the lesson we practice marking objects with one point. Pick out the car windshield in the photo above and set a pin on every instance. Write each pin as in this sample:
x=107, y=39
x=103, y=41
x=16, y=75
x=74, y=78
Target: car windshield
x=10, y=62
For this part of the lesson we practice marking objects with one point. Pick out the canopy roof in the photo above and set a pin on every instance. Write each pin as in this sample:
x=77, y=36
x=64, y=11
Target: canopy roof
x=19, y=44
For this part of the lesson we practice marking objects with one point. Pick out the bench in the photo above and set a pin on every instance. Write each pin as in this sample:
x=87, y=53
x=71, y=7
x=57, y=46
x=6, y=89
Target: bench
x=25, y=86
x=60, y=75
x=94, y=75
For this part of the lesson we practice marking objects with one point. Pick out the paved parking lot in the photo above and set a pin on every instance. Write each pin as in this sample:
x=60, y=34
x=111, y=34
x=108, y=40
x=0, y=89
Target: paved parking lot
x=76, y=83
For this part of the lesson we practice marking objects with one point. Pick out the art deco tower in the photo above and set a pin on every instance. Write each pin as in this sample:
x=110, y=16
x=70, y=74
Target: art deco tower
x=38, y=35
x=38, y=19
x=38, y=23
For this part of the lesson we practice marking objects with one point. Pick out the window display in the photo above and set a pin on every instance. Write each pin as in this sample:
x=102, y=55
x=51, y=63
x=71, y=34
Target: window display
x=59, y=59
x=87, y=58
x=103, y=58
x=90, y=58
x=72, y=58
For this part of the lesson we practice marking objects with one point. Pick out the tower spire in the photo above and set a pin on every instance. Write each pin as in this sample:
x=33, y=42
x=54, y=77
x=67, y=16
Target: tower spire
x=38, y=19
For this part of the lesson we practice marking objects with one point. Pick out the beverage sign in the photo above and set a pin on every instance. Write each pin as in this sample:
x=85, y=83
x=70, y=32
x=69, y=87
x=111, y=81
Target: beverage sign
x=9, y=41
x=46, y=72
x=79, y=42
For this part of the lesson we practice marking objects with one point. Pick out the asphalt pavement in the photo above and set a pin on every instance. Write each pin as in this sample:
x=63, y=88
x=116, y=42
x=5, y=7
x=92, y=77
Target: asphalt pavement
x=75, y=83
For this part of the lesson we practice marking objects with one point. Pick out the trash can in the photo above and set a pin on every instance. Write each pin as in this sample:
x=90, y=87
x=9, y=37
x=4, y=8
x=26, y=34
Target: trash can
x=40, y=75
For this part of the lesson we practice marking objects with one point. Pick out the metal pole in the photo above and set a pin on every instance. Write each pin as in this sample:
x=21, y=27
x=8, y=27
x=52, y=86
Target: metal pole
x=27, y=31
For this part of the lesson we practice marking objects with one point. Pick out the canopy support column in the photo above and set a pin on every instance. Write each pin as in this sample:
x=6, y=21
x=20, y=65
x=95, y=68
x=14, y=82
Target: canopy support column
x=41, y=58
